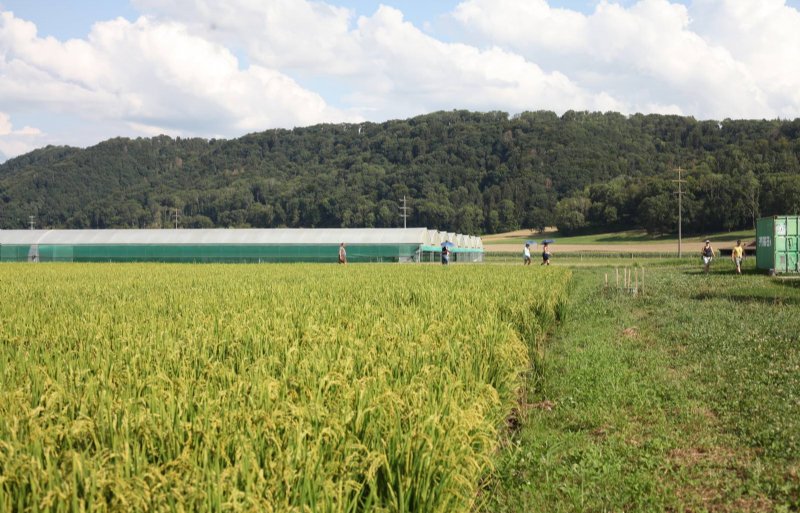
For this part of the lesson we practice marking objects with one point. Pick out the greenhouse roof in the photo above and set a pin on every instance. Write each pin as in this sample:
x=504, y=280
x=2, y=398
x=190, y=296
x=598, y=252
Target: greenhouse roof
x=272, y=236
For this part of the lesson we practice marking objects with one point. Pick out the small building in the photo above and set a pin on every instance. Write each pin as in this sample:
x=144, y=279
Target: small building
x=778, y=244
x=231, y=245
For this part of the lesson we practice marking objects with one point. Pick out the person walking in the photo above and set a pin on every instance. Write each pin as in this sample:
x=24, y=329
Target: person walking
x=445, y=255
x=526, y=254
x=708, y=255
x=546, y=254
x=342, y=254
x=737, y=254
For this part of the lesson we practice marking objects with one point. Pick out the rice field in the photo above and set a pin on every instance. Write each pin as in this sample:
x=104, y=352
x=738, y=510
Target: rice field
x=152, y=387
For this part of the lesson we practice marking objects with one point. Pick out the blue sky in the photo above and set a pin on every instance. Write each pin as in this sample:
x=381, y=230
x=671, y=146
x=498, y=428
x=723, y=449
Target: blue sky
x=73, y=19
x=82, y=71
x=65, y=20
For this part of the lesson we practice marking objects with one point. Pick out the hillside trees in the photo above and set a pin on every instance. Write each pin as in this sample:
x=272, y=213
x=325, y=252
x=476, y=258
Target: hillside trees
x=460, y=171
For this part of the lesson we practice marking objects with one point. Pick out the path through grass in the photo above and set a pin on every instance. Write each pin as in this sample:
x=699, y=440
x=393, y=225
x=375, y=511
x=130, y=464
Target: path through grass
x=686, y=399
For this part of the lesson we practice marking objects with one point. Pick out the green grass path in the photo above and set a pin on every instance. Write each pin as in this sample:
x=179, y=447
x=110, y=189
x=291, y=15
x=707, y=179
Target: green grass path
x=685, y=399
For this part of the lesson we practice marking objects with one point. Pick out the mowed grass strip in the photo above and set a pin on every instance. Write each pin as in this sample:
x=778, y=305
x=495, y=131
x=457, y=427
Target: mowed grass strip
x=684, y=399
x=148, y=387
x=621, y=238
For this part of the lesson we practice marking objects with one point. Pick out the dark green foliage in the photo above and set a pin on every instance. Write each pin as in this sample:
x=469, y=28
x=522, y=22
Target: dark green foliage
x=462, y=171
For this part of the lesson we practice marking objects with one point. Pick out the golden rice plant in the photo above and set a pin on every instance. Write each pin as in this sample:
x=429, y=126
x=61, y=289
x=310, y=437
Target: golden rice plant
x=285, y=388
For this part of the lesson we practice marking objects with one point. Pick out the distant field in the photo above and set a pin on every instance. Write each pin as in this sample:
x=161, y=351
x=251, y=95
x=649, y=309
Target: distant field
x=633, y=237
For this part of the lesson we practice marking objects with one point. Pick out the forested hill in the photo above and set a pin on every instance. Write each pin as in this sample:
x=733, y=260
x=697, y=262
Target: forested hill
x=462, y=171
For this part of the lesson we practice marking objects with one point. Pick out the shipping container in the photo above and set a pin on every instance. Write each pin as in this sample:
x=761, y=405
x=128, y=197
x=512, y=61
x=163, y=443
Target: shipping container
x=777, y=243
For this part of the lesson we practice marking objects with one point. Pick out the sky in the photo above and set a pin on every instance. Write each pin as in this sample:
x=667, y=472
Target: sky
x=80, y=72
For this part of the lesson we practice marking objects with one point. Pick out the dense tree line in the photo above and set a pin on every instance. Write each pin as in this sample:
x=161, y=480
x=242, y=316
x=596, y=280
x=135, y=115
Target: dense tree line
x=462, y=171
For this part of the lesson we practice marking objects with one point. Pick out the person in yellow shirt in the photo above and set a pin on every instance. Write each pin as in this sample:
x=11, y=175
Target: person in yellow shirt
x=737, y=253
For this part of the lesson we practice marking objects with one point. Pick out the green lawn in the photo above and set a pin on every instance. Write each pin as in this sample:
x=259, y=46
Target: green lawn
x=627, y=237
x=686, y=398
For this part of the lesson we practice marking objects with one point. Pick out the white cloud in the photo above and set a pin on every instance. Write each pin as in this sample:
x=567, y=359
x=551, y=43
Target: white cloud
x=524, y=25
x=15, y=142
x=524, y=54
x=656, y=52
x=762, y=35
x=293, y=35
x=223, y=68
x=150, y=73
x=417, y=73
x=386, y=66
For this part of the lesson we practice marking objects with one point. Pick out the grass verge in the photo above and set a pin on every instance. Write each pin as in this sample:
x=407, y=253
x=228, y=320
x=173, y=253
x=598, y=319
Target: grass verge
x=683, y=399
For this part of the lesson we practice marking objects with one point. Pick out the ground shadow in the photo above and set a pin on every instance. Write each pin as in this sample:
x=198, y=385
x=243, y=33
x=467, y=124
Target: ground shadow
x=793, y=282
x=744, y=297
x=718, y=270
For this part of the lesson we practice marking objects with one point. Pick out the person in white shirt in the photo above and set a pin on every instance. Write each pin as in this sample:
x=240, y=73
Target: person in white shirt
x=526, y=254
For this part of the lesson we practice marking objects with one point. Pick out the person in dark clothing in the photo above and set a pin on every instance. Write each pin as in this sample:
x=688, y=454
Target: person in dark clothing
x=708, y=255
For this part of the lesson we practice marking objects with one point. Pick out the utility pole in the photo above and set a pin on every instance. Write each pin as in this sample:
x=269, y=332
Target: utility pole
x=176, y=218
x=680, y=181
x=32, y=221
x=405, y=209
